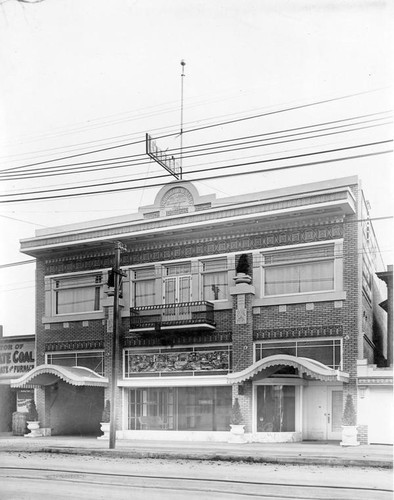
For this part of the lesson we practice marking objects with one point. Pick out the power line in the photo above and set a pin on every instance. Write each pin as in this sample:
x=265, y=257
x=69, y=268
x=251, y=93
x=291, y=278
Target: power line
x=196, y=171
x=37, y=173
x=131, y=188
x=20, y=263
x=20, y=220
x=260, y=115
x=88, y=126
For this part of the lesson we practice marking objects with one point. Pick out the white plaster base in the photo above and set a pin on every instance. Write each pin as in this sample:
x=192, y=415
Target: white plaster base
x=276, y=437
x=218, y=437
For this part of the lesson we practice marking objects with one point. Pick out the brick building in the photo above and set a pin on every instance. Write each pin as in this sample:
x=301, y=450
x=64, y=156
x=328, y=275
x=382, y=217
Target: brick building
x=284, y=337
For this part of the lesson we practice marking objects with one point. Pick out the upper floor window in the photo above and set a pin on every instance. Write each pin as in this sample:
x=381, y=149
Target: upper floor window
x=215, y=279
x=77, y=294
x=144, y=286
x=300, y=270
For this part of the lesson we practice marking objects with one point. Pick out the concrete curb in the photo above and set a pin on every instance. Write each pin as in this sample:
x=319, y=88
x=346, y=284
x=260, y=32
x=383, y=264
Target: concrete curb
x=176, y=455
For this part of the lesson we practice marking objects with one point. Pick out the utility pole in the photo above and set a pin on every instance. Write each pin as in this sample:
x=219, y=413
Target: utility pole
x=117, y=273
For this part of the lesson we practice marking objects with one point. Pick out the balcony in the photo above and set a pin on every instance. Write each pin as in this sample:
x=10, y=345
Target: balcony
x=170, y=317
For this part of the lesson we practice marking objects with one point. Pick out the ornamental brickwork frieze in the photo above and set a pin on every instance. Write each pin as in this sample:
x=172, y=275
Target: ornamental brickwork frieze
x=75, y=263
x=236, y=242
x=299, y=332
x=79, y=345
x=231, y=243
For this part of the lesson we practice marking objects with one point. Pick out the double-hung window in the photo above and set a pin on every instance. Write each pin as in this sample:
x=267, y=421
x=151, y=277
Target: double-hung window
x=144, y=286
x=215, y=279
x=300, y=270
x=77, y=294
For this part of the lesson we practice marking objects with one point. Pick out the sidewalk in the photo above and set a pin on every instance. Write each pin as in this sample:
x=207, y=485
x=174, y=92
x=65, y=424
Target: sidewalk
x=306, y=453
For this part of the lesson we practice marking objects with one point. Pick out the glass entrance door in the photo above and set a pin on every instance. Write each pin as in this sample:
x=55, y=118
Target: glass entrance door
x=275, y=408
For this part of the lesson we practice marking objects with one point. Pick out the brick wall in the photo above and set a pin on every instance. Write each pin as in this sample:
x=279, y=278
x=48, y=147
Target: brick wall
x=362, y=434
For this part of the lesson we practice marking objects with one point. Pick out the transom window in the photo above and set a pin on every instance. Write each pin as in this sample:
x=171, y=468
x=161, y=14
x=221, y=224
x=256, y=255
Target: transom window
x=215, y=279
x=89, y=359
x=327, y=351
x=77, y=294
x=301, y=270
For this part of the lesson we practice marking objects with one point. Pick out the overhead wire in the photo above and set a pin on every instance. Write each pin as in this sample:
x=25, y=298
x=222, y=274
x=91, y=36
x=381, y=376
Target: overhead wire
x=234, y=174
x=114, y=163
x=291, y=157
x=204, y=127
x=88, y=126
x=173, y=150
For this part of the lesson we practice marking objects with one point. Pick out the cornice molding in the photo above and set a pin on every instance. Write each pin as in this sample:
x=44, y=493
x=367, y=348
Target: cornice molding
x=213, y=215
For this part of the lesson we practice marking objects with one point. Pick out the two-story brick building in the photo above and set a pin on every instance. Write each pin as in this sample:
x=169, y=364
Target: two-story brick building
x=194, y=336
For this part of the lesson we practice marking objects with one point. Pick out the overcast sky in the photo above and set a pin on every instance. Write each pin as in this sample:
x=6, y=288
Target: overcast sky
x=83, y=75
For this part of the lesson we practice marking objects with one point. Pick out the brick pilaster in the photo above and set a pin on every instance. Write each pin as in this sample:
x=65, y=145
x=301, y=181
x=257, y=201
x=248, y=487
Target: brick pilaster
x=242, y=337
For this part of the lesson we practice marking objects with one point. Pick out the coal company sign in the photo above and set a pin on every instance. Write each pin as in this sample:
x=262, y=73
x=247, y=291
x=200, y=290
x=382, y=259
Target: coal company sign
x=16, y=358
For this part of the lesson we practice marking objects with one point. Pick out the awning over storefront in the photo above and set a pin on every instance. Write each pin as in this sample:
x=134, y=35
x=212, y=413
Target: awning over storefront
x=305, y=366
x=49, y=374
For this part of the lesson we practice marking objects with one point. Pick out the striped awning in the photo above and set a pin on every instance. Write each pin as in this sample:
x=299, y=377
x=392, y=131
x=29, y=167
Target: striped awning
x=44, y=375
x=305, y=366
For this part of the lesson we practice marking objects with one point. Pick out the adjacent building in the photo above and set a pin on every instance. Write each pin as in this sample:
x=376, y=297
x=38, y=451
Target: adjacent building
x=284, y=336
x=17, y=357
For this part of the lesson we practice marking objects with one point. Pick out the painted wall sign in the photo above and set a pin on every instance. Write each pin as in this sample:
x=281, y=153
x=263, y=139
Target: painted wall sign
x=16, y=358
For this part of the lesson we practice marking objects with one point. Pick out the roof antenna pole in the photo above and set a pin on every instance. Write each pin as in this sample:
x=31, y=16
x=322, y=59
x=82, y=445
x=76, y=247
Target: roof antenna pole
x=183, y=64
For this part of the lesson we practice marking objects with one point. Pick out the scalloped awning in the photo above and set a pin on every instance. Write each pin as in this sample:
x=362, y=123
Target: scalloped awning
x=49, y=374
x=309, y=367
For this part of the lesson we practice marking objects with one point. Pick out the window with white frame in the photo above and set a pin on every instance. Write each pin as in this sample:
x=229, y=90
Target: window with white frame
x=77, y=294
x=300, y=270
x=215, y=279
x=144, y=286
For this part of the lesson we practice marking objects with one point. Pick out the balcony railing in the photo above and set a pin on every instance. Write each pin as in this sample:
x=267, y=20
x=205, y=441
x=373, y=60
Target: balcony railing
x=172, y=316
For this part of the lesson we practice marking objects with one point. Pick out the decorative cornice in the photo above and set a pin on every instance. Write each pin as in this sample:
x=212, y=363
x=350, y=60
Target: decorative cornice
x=77, y=345
x=299, y=332
x=375, y=381
x=214, y=215
x=158, y=341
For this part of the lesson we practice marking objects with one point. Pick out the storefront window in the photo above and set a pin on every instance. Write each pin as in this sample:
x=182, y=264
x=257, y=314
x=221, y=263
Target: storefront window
x=180, y=408
x=275, y=408
x=327, y=351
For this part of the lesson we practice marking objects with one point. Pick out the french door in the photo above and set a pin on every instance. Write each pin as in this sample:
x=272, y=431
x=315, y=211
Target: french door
x=176, y=291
